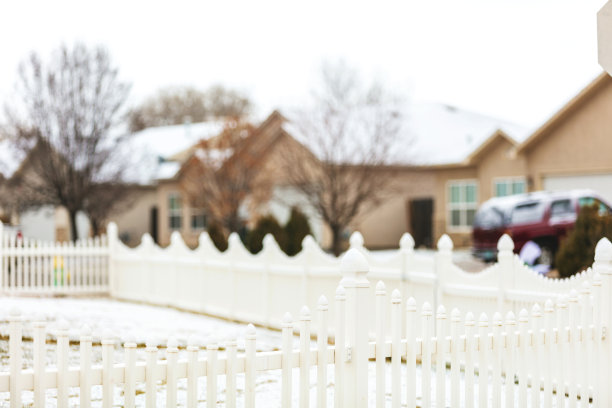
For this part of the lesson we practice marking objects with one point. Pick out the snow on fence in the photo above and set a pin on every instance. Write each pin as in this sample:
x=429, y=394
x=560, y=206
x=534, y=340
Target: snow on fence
x=259, y=288
x=36, y=267
x=558, y=353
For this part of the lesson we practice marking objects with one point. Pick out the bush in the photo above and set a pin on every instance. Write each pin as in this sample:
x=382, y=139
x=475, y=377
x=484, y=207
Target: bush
x=266, y=225
x=296, y=229
x=577, y=250
x=215, y=232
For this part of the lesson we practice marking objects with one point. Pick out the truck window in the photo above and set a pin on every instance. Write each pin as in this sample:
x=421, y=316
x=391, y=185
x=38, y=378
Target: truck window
x=527, y=213
x=561, y=208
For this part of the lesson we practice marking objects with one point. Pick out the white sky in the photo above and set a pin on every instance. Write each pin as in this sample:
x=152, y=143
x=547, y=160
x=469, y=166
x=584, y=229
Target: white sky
x=515, y=59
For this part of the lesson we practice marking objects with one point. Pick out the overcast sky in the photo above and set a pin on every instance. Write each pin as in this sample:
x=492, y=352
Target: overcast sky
x=519, y=60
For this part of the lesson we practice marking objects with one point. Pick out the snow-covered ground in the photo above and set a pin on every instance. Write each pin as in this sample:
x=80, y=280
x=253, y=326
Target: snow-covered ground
x=142, y=323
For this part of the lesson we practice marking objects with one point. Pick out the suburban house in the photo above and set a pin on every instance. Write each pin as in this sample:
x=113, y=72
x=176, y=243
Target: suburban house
x=453, y=161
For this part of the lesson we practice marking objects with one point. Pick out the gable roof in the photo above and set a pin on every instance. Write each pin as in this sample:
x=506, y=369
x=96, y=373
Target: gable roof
x=434, y=134
x=156, y=153
x=575, y=103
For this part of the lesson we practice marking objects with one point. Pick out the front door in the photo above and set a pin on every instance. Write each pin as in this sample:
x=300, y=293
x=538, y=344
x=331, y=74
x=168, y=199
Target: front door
x=421, y=213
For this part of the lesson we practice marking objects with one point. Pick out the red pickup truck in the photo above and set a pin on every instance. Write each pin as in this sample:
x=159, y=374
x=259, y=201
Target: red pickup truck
x=542, y=217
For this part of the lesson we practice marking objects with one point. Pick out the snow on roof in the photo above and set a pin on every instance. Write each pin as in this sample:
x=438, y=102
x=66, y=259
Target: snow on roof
x=444, y=134
x=151, y=149
x=434, y=133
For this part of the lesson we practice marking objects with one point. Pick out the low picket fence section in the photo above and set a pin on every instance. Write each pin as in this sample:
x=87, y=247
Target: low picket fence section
x=240, y=286
x=559, y=353
x=37, y=267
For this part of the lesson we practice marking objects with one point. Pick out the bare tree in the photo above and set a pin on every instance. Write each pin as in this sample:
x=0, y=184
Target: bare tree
x=65, y=124
x=171, y=106
x=222, y=176
x=352, y=131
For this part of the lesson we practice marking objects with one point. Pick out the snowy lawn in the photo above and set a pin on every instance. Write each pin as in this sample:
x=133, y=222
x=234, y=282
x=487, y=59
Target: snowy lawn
x=143, y=323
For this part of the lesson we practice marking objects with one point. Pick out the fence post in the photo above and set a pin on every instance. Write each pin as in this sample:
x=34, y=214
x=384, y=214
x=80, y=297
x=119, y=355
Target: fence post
x=505, y=260
x=112, y=234
x=354, y=269
x=603, y=267
x=443, y=262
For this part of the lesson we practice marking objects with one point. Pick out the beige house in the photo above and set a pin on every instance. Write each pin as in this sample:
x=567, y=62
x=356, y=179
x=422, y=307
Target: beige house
x=573, y=149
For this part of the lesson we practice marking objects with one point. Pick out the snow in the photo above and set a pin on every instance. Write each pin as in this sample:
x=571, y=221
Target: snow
x=150, y=150
x=431, y=133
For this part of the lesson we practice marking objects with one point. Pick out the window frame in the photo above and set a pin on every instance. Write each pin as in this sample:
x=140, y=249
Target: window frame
x=197, y=212
x=463, y=206
x=175, y=212
x=509, y=181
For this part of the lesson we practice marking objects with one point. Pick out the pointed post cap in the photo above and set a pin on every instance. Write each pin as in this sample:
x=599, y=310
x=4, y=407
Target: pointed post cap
x=356, y=240
x=445, y=243
x=308, y=242
x=407, y=242
x=204, y=240
x=354, y=269
x=175, y=238
x=269, y=241
x=505, y=243
x=603, y=250
x=112, y=230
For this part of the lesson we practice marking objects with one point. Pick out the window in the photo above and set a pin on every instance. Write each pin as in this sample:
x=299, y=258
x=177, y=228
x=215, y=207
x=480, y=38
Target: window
x=561, y=208
x=528, y=213
x=505, y=187
x=588, y=201
x=462, y=203
x=174, y=211
x=198, y=219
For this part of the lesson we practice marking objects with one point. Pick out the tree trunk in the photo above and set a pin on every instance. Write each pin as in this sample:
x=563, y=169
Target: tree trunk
x=336, y=239
x=73, y=227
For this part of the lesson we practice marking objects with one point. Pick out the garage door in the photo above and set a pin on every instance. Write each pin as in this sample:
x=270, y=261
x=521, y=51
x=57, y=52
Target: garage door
x=601, y=183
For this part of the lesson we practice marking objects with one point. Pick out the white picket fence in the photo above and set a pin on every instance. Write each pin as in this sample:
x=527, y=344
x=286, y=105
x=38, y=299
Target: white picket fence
x=558, y=355
x=37, y=267
x=259, y=288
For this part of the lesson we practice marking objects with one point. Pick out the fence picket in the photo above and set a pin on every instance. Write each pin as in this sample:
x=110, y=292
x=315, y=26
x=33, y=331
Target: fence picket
x=192, y=375
x=455, y=363
x=380, y=342
x=85, y=372
x=496, y=350
x=440, y=357
x=396, y=352
x=510, y=359
x=322, y=353
x=305, y=357
x=586, y=343
x=523, y=361
x=249, y=367
x=62, y=364
x=483, y=353
x=150, y=374
x=15, y=357
x=171, y=375
x=563, y=348
x=39, y=363
x=212, y=350
x=340, y=346
x=469, y=360
x=426, y=355
x=548, y=352
x=536, y=353
x=573, y=348
x=129, y=390
x=108, y=345
x=411, y=352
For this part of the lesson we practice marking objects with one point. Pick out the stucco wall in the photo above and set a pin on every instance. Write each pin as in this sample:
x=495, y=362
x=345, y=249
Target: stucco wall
x=133, y=219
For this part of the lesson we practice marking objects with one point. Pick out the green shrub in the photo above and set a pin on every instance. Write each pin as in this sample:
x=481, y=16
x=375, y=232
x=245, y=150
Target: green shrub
x=265, y=225
x=577, y=250
x=296, y=229
x=215, y=232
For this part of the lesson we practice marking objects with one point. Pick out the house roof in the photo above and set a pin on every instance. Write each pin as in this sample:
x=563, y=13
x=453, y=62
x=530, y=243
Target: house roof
x=438, y=134
x=584, y=95
x=157, y=153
